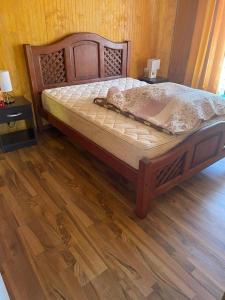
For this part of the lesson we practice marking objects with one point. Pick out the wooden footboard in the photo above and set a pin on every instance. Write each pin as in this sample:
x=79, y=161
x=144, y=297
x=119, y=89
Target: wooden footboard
x=197, y=152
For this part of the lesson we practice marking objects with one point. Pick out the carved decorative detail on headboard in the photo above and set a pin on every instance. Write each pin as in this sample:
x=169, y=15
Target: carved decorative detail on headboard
x=112, y=61
x=78, y=58
x=53, y=67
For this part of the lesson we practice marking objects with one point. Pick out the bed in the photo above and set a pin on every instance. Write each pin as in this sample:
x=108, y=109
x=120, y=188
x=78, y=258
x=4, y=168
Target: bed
x=67, y=75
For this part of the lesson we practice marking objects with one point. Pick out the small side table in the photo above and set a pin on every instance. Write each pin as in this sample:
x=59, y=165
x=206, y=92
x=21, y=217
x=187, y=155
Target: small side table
x=153, y=80
x=20, y=110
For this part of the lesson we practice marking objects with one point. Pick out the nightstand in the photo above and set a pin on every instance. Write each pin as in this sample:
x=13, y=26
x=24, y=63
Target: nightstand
x=153, y=80
x=20, y=110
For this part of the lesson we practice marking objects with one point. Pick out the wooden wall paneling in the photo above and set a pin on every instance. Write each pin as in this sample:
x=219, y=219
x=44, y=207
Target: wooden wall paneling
x=48, y=20
x=163, y=22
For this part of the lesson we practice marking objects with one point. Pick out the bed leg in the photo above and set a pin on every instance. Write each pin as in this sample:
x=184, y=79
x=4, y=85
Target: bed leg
x=40, y=127
x=143, y=197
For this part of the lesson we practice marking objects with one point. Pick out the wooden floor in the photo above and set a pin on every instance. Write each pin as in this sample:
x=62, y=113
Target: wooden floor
x=67, y=230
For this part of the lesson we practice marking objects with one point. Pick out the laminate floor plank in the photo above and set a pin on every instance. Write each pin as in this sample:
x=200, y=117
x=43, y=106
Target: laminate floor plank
x=68, y=231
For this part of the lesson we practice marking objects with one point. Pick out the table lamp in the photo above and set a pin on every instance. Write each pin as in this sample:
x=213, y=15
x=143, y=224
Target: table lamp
x=6, y=86
x=153, y=64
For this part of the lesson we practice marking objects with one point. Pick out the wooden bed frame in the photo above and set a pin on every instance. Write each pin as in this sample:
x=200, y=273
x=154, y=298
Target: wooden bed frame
x=88, y=57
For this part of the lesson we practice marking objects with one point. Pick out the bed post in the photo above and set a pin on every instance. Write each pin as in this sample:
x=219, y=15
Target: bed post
x=144, y=195
x=36, y=95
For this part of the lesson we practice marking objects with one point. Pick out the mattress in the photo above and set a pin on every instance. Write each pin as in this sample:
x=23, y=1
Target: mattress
x=125, y=138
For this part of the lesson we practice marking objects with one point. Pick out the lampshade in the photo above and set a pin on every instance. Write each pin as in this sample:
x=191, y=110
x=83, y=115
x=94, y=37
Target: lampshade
x=153, y=63
x=5, y=82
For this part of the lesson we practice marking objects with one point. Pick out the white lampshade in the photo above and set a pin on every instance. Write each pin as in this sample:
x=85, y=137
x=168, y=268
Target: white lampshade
x=153, y=64
x=5, y=82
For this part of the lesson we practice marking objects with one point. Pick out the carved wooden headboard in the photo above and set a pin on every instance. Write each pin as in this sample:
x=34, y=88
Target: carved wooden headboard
x=75, y=59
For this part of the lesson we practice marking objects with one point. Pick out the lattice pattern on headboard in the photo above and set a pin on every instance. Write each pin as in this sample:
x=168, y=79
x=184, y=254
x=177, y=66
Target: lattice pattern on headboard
x=112, y=61
x=53, y=67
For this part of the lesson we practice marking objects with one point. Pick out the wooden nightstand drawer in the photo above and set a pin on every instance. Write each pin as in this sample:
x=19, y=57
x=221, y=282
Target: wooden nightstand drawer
x=21, y=109
x=11, y=114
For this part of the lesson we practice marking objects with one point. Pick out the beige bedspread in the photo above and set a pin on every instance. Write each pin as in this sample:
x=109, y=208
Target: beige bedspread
x=123, y=137
x=173, y=107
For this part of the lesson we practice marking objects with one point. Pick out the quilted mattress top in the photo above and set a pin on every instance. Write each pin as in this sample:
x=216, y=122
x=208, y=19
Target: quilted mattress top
x=79, y=99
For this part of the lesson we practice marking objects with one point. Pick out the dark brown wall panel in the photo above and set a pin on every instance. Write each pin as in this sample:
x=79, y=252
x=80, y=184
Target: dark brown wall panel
x=183, y=32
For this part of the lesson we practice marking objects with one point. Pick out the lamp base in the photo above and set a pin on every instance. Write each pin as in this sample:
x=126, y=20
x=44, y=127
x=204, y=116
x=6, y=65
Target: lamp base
x=7, y=99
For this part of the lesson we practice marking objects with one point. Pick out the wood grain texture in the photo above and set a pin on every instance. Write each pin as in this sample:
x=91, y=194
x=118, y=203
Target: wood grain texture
x=68, y=231
x=155, y=176
x=44, y=21
x=183, y=33
x=163, y=22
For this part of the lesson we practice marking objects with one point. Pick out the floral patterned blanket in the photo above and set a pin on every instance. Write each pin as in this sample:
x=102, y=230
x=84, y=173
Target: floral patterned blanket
x=171, y=107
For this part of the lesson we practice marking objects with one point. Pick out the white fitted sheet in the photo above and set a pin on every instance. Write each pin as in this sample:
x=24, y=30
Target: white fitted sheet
x=127, y=139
